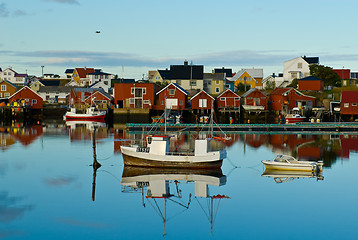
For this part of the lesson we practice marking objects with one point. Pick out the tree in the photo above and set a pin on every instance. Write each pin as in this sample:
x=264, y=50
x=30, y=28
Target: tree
x=326, y=73
x=294, y=83
x=241, y=87
x=270, y=85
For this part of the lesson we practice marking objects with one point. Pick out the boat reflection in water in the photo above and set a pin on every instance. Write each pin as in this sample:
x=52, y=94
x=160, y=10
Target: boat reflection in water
x=282, y=176
x=154, y=185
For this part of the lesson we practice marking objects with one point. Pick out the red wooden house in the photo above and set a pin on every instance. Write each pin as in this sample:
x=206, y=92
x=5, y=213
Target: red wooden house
x=174, y=96
x=288, y=98
x=254, y=97
x=310, y=83
x=228, y=99
x=26, y=97
x=135, y=95
x=202, y=102
x=101, y=99
x=349, y=103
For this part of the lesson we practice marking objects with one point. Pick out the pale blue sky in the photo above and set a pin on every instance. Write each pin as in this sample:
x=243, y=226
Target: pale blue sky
x=137, y=36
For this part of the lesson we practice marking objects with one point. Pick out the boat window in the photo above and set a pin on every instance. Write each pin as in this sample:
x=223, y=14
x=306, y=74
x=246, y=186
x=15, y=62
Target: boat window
x=149, y=139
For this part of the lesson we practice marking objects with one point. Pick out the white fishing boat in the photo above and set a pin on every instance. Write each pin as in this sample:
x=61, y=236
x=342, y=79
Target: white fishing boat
x=284, y=162
x=90, y=114
x=154, y=152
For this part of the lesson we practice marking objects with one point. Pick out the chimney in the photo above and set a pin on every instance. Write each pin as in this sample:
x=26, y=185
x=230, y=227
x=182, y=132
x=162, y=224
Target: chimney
x=185, y=63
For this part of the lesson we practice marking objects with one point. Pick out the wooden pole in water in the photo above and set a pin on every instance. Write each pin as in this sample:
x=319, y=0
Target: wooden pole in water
x=95, y=164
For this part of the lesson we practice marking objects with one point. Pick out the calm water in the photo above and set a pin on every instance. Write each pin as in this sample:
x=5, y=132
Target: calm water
x=49, y=189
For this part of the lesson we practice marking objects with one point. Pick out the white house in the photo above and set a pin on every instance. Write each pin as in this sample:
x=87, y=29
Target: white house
x=15, y=78
x=296, y=68
x=101, y=79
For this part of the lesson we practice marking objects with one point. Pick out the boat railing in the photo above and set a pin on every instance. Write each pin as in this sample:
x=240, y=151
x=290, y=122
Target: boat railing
x=180, y=153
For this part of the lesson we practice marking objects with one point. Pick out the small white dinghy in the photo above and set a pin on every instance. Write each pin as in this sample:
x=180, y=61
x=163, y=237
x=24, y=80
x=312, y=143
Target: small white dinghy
x=284, y=162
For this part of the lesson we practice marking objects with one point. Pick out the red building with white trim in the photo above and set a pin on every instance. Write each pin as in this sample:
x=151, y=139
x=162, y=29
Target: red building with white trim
x=288, y=98
x=228, y=99
x=176, y=97
x=349, y=103
x=26, y=97
x=202, y=101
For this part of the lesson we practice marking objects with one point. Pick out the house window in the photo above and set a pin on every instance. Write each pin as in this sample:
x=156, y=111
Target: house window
x=9, y=73
x=193, y=83
x=237, y=99
x=249, y=79
x=3, y=87
x=34, y=101
x=131, y=101
x=144, y=90
x=7, y=94
x=202, y=103
x=217, y=90
x=354, y=104
x=146, y=101
x=180, y=102
x=346, y=105
x=106, y=76
x=0, y=94
x=299, y=65
x=162, y=102
x=222, y=99
x=171, y=91
x=132, y=90
x=217, y=82
x=47, y=97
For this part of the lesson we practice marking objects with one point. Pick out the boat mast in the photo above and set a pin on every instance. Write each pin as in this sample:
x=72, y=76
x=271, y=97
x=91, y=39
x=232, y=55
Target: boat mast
x=165, y=115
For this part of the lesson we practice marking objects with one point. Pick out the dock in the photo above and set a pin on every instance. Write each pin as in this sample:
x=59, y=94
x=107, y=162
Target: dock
x=316, y=128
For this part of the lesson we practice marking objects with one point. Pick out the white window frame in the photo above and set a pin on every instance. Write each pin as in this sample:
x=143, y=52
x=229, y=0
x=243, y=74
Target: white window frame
x=171, y=91
x=131, y=101
x=203, y=103
x=7, y=94
x=3, y=87
x=346, y=105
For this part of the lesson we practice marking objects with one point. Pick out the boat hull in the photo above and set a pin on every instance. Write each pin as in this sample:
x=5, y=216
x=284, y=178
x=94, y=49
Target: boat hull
x=289, y=167
x=295, y=120
x=86, y=117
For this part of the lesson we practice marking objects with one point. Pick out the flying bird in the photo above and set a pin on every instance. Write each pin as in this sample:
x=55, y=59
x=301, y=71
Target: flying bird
x=98, y=31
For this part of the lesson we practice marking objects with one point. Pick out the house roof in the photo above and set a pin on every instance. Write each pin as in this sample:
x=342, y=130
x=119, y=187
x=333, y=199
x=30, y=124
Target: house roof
x=349, y=96
x=311, y=60
x=165, y=74
x=51, y=82
x=310, y=78
x=63, y=89
x=23, y=89
x=214, y=76
x=186, y=71
x=20, y=75
x=69, y=70
x=282, y=91
x=251, y=91
x=98, y=72
x=82, y=72
x=253, y=72
x=177, y=86
x=201, y=92
x=228, y=71
x=227, y=90
x=106, y=95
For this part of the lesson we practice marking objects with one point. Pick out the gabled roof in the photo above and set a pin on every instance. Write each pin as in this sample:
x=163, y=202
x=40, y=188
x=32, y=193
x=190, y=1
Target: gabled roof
x=20, y=75
x=165, y=74
x=82, y=72
x=311, y=60
x=253, y=72
x=227, y=90
x=63, y=89
x=349, y=96
x=282, y=91
x=177, y=86
x=23, y=89
x=69, y=70
x=215, y=76
x=106, y=95
x=310, y=78
x=228, y=71
x=11, y=84
x=201, y=92
x=251, y=91
x=98, y=72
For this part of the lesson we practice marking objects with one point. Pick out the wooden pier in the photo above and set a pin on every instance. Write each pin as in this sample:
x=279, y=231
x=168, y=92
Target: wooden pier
x=315, y=128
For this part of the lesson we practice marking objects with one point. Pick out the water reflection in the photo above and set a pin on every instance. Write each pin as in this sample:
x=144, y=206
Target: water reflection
x=154, y=185
x=280, y=176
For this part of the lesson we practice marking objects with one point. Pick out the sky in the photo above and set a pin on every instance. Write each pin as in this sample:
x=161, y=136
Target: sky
x=137, y=36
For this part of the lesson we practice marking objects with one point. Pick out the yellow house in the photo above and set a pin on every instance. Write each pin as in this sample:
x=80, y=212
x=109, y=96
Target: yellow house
x=80, y=75
x=36, y=86
x=250, y=77
x=161, y=76
x=214, y=83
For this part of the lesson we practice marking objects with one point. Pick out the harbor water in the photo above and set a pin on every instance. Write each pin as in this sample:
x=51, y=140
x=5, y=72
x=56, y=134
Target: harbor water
x=51, y=189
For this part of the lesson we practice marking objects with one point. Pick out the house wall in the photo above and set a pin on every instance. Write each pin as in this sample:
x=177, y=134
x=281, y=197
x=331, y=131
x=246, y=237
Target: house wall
x=292, y=99
x=228, y=99
x=202, y=95
x=178, y=94
x=217, y=86
x=307, y=85
x=185, y=83
x=6, y=89
x=255, y=97
x=295, y=68
x=28, y=95
x=249, y=80
x=349, y=107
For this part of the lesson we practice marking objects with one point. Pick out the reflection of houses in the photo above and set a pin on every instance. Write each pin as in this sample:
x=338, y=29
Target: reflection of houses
x=26, y=97
x=284, y=99
x=289, y=142
x=349, y=143
x=135, y=95
x=174, y=96
x=310, y=152
x=5, y=140
x=26, y=135
x=256, y=140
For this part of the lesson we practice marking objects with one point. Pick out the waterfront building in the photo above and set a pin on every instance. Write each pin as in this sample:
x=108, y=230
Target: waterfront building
x=135, y=95
x=81, y=77
x=78, y=95
x=101, y=99
x=214, y=83
x=254, y=98
x=228, y=100
x=348, y=78
x=349, y=103
x=173, y=96
x=99, y=79
x=54, y=94
x=285, y=99
x=25, y=97
x=202, y=102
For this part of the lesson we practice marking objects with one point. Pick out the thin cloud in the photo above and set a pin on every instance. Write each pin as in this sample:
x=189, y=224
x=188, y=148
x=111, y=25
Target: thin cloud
x=64, y=1
x=4, y=12
x=61, y=181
